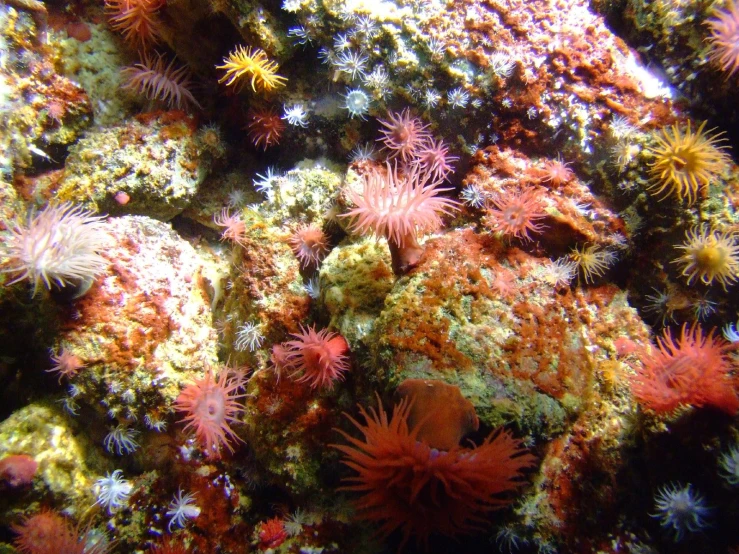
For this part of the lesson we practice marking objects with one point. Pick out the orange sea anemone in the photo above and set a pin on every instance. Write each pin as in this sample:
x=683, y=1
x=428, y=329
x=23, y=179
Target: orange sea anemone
x=692, y=370
x=136, y=19
x=407, y=485
x=710, y=256
x=685, y=162
x=245, y=62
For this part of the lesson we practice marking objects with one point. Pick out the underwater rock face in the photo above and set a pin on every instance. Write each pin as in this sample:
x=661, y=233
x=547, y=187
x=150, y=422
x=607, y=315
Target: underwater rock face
x=144, y=328
x=149, y=166
x=67, y=464
x=489, y=321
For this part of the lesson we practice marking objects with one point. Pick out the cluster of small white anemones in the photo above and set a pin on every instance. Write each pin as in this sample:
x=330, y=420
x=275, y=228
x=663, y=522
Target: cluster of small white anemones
x=113, y=491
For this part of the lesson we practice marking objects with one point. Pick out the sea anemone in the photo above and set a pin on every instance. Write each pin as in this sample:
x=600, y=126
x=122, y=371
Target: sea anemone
x=113, y=491
x=66, y=364
x=181, y=509
x=724, y=38
x=58, y=246
x=265, y=127
x=557, y=172
x=407, y=485
x=49, y=533
x=245, y=62
x=685, y=162
x=272, y=533
x=433, y=156
x=309, y=244
x=681, y=510
x=156, y=80
x=234, y=228
x=397, y=206
x=211, y=405
x=516, y=214
x=694, y=370
x=710, y=256
x=592, y=261
x=136, y=19
x=357, y=102
x=319, y=356
x=403, y=135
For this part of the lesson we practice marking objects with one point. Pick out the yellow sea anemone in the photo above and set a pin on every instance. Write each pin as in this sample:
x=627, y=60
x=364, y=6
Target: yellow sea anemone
x=710, y=256
x=592, y=261
x=685, y=162
x=248, y=61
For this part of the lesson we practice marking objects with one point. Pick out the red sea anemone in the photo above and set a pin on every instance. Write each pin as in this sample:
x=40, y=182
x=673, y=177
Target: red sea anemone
x=272, y=533
x=210, y=406
x=309, y=244
x=265, y=128
x=403, y=135
x=694, y=370
x=320, y=356
x=49, y=533
x=724, y=38
x=407, y=485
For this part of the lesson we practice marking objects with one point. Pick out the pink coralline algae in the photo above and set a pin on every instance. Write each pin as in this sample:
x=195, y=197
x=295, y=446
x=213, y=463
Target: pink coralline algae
x=17, y=470
x=211, y=405
x=319, y=356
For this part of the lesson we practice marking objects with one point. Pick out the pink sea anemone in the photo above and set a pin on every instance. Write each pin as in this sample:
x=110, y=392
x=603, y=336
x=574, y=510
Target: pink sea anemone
x=516, y=215
x=156, y=80
x=309, y=244
x=397, y=206
x=403, y=135
x=57, y=246
x=66, y=364
x=319, y=356
x=557, y=172
x=433, y=156
x=211, y=405
x=234, y=228
x=724, y=38
x=138, y=20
